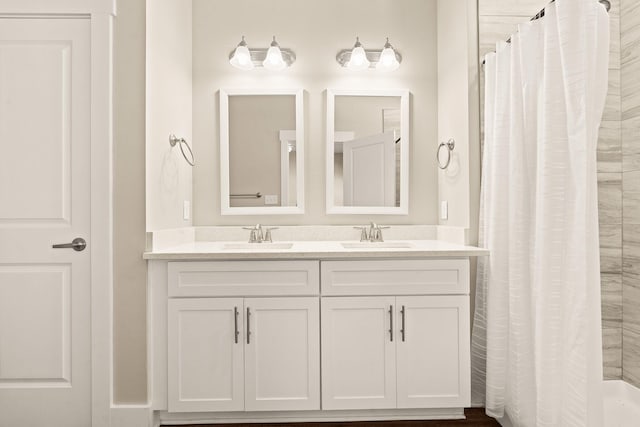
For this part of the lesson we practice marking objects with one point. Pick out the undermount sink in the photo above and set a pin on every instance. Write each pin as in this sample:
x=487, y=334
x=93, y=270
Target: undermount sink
x=267, y=245
x=381, y=245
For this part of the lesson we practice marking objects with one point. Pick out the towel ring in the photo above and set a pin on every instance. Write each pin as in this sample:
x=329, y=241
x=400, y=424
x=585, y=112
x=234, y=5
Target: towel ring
x=450, y=144
x=173, y=140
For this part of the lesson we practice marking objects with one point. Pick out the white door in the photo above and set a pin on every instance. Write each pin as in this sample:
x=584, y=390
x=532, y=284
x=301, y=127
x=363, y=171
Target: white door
x=282, y=354
x=45, y=317
x=433, y=352
x=205, y=369
x=358, y=353
x=369, y=171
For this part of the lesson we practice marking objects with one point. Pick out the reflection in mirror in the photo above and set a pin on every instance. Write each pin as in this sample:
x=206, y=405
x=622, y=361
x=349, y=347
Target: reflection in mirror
x=261, y=151
x=367, y=152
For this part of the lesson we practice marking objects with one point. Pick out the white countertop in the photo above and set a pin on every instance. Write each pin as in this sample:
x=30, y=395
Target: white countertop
x=207, y=250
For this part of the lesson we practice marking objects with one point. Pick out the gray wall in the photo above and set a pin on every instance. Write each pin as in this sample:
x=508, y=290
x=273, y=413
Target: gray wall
x=129, y=276
x=498, y=19
x=630, y=20
x=316, y=31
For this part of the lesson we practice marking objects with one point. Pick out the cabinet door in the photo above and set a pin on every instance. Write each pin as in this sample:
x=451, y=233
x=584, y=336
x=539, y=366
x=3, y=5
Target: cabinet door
x=282, y=354
x=205, y=355
x=358, y=353
x=433, y=352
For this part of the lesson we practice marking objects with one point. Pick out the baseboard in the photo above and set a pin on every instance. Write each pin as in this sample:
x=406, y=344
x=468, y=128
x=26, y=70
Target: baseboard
x=131, y=416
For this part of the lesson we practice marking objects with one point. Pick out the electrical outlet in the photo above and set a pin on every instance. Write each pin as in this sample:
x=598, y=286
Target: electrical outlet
x=186, y=210
x=271, y=199
x=444, y=210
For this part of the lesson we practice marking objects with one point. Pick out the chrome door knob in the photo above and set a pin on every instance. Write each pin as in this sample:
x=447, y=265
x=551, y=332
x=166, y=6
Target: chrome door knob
x=78, y=244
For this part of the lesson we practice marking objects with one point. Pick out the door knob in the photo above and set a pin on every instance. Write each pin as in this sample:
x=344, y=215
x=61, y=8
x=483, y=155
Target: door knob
x=78, y=244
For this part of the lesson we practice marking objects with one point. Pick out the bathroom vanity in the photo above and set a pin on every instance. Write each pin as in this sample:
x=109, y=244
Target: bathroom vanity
x=312, y=330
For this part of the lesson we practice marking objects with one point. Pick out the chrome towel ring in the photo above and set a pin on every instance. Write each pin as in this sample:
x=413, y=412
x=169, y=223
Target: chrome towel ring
x=450, y=144
x=173, y=140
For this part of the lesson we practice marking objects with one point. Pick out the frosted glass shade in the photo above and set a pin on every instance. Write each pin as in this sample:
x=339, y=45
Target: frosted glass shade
x=388, y=60
x=274, y=60
x=242, y=58
x=358, y=60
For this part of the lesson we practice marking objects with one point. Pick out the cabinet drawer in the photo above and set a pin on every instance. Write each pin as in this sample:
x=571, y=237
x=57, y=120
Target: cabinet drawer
x=401, y=277
x=243, y=278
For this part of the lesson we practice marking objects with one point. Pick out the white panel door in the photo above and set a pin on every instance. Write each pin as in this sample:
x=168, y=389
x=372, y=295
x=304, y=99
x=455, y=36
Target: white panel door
x=369, y=171
x=358, y=353
x=433, y=352
x=205, y=355
x=282, y=354
x=45, y=318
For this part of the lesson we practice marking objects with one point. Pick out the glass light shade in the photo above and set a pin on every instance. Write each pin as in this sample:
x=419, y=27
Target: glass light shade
x=274, y=60
x=358, y=60
x=388, y=60
x=242, y=57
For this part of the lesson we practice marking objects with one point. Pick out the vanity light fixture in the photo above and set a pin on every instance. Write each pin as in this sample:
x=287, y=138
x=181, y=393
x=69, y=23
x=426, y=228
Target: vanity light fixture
x=273, y=58
x=358, y=58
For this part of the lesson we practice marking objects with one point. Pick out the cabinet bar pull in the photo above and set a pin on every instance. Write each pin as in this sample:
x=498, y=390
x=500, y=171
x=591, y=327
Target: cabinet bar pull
x=391, y=323
x=235, y=324
x=402, y=330
x=248, y=326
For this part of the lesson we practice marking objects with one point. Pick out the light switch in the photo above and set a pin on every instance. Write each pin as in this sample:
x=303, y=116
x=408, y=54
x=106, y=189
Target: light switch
x=444, y=210
x=186, y=210
x=271, y=199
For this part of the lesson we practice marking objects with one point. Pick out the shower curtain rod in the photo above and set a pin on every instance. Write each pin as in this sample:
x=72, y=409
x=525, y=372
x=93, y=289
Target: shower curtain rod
x=606, y=3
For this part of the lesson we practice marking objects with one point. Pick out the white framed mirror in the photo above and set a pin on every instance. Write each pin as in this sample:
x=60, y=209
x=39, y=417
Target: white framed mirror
x=261, y=151
x=367, y=152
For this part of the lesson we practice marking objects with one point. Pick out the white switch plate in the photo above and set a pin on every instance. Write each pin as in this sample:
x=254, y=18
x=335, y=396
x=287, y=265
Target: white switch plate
x=444, y=210
x=271, y=199
x=186, y=210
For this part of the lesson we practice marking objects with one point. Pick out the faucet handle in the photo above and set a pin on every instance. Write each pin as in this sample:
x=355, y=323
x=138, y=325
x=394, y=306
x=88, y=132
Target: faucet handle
x=364, y=234
x=267, y=233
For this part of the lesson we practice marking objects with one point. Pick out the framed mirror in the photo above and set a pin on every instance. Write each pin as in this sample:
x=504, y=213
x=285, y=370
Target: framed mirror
x=261, y=152
x=367, y=157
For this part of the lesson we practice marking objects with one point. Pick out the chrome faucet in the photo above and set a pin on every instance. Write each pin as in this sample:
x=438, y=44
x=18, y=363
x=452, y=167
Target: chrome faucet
x=373, y=233
x=256, y=235
x=259, y=234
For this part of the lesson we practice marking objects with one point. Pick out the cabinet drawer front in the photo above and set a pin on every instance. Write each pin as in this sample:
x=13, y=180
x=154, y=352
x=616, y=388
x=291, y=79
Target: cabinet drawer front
x=402, y=277
x=243, y=278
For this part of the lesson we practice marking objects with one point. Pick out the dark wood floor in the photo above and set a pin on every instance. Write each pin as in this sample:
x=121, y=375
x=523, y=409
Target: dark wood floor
x=475, y=417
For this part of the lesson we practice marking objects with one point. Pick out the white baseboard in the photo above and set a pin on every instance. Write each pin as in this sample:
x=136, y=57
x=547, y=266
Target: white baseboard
x=131, y=416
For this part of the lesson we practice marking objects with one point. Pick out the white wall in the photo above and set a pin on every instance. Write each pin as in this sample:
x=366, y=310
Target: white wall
x=168, y=110
x=316, y=31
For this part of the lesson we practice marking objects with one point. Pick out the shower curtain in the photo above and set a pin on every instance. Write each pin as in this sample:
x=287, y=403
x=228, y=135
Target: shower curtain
x=537, y=329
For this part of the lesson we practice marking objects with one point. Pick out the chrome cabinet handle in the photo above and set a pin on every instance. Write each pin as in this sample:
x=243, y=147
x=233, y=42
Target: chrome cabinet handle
x=391, y=323
x=402, y=327
x=248, y=326
x=235, y=324
x=78, y=244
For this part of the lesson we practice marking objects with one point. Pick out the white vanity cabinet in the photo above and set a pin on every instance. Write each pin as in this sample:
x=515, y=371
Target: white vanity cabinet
x=243, y=353
x=304, y=340
x=404, y=351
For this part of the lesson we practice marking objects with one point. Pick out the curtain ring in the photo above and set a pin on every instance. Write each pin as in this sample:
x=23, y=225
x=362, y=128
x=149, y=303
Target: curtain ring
x=450, y=144
x=173, y=140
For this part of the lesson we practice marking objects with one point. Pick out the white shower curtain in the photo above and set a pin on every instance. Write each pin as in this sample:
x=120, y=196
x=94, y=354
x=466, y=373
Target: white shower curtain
x=537, y=328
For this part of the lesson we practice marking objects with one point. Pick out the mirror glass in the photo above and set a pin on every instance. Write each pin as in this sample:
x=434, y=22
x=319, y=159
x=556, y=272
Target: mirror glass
x=367, y=151
x=261, y=152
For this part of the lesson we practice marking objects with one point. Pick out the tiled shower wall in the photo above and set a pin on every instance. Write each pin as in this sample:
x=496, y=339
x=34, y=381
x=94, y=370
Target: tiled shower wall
x=630, y=60
x=498, y=19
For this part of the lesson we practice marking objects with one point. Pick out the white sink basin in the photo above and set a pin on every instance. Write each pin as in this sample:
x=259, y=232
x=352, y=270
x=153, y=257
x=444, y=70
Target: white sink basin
x=258, y=246
x=379, y=245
